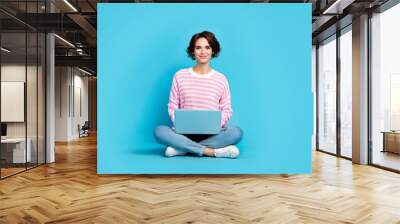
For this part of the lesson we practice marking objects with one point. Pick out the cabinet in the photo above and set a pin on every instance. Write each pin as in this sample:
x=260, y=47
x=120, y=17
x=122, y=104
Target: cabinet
x=391, y=141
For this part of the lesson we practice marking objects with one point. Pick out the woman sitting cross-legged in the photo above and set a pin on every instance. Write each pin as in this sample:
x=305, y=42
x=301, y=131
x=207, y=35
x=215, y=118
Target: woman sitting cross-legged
x=201, y=88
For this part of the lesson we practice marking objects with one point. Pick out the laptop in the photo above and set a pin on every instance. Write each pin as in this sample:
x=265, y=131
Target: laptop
x=204, y=122
x=3, y=131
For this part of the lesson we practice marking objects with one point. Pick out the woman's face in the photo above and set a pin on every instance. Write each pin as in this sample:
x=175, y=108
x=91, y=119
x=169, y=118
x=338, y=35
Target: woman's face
x=202, y=51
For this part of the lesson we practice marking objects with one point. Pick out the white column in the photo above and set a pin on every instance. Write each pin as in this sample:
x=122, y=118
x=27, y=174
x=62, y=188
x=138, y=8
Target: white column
x=50, y=110
x=360, y=90
x=50, y=87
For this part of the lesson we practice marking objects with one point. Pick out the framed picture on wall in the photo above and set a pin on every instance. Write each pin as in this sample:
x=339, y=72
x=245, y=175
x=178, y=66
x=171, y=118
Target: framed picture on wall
x=12, y=101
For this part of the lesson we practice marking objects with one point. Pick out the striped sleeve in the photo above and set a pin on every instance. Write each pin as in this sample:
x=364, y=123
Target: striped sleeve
x=225, y=105
x=173, y=103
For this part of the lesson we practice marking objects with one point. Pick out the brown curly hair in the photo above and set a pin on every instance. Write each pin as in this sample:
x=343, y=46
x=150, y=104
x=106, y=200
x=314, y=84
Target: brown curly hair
x=212, y=40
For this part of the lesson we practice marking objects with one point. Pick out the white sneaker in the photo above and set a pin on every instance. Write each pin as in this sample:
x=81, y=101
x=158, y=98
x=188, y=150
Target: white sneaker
x=173, y=152
x=229, y=151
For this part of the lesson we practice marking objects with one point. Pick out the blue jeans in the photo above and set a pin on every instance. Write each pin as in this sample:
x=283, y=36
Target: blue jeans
x=197, y=143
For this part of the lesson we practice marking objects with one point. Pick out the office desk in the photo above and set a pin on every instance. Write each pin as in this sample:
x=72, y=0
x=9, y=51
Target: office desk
x=13, y=150
x=391, y=141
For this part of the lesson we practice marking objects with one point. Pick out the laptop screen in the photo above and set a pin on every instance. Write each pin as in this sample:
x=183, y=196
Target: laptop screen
x=3, y=129
x=197, y=121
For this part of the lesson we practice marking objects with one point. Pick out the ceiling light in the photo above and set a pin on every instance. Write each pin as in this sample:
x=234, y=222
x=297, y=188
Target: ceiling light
x=5, y=49
x=71, y=6
x=64, y=40
x=84, y=71
x=338, y=6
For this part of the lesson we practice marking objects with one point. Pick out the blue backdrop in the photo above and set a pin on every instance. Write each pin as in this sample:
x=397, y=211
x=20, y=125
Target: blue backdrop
x=266, y=56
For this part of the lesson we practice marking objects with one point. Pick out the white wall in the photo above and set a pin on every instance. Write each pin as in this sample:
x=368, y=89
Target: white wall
x=71, y=94
x=62, y=81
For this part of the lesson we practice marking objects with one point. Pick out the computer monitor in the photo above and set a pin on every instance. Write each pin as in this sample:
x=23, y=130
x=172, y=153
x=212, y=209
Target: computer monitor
x=3, y=129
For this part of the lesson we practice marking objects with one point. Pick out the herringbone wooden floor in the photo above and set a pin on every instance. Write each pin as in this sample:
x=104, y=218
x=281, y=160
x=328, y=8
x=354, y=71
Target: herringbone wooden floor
x=70, y=191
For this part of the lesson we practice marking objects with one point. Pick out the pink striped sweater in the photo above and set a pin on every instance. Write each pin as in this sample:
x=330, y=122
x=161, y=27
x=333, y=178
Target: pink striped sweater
x=191, y=90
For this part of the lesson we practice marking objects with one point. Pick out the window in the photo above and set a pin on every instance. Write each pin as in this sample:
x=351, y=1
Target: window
x=327, y=95
x=346, y=92
x=385, y=88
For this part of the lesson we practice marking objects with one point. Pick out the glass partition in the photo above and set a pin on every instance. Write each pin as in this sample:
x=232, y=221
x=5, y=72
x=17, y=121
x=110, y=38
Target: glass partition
x=32, y=95
x=14, y=153
x=327, y=95
x=22, y=77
